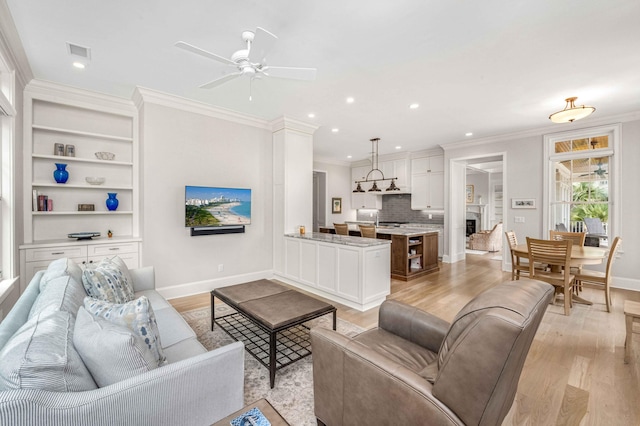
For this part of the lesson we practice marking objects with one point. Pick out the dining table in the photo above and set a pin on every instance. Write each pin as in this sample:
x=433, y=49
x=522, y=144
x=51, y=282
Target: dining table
x=580, y=256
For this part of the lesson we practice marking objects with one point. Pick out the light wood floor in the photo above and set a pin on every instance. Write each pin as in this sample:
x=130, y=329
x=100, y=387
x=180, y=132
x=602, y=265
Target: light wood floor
x=574, y=373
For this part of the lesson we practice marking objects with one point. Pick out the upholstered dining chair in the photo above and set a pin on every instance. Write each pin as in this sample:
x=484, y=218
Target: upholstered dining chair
x=341, y=228
x=418, y=369
x=577, y=238
x=367, y=231
x=553, y=253
x=597, y=279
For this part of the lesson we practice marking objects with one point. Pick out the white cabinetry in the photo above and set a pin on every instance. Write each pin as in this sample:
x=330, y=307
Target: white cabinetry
x=36, y=257
x=427, y=183
x=356, y=276
x=90, y=123
x=396, y=169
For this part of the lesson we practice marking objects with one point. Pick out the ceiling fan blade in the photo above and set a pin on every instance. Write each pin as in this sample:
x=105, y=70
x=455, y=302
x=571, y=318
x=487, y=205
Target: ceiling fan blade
x=291, y=72
x=193, y=49
x=221, y=80
x=262, y=43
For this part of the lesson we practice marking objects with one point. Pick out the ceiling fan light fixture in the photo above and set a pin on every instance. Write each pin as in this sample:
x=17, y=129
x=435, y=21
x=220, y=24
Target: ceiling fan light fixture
x=571, y=112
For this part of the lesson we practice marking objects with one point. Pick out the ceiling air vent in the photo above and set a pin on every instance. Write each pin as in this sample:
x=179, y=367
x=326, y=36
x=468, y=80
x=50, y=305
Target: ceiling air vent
x=80, y=51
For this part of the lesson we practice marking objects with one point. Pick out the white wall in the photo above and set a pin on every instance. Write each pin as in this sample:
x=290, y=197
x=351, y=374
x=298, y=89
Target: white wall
x=187, y=148
x=338, y=185
x=524, y=168
x=480, y=182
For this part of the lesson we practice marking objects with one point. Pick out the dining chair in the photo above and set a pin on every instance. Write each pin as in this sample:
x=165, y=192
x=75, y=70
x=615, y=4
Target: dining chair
x=553, y=253
x=597, y=279
x=367, y=231
x=341, y=228
x=519, y=264
x=576, y=237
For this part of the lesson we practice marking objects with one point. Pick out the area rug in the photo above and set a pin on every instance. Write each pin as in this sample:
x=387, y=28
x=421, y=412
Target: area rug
x=469, y=251
x=292, y=394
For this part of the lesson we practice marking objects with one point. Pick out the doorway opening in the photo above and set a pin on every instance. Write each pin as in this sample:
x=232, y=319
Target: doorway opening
x=319, y=200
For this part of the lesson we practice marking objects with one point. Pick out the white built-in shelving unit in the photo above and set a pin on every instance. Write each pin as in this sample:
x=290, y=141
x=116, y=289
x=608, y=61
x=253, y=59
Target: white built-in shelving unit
x=91, y=123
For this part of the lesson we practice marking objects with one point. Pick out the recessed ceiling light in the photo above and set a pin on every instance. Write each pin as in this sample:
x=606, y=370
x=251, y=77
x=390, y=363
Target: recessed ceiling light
x=79, y=65
x=468, y=134
x=349, y=156
x=350, y=100
x=398, y=147
x=311, y=115
x=335, y=130
x=414, y=106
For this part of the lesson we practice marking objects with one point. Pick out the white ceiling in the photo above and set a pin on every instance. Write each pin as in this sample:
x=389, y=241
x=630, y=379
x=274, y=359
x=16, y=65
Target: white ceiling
x=488, y=67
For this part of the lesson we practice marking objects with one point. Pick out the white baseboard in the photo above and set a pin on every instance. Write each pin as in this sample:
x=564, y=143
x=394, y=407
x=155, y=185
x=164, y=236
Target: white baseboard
x=198, y=287
x=626, y=283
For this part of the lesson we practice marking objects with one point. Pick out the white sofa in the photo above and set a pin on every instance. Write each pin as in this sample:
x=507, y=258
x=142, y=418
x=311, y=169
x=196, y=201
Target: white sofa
x=195, y=387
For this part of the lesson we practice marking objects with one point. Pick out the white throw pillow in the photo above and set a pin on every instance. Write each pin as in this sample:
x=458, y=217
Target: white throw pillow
x=136, y=315
x=110, y=351
x=109, y=280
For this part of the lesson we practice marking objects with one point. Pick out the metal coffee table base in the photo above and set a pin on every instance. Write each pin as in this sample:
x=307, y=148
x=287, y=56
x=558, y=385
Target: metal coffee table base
x=274, y=348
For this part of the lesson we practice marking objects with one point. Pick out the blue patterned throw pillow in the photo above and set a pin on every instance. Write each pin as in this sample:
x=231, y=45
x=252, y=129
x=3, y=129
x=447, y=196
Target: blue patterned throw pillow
x=136, y=315
x=108, y=281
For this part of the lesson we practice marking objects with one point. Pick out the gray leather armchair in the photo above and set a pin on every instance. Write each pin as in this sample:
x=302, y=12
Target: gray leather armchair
x=416, y=368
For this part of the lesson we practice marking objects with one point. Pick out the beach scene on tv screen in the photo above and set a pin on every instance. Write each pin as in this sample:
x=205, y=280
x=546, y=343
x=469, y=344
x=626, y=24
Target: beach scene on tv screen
x=209, y=206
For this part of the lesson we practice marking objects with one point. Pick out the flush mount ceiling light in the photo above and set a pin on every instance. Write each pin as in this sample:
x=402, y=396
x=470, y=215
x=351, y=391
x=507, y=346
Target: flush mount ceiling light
x=570, y=113
x=375, y=174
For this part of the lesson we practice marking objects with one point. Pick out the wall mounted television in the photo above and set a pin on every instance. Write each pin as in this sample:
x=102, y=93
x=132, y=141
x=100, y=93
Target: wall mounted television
x=214, y=207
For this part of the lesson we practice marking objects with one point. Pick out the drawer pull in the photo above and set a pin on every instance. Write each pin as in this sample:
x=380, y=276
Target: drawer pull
x=114, y=248
x=57, y=252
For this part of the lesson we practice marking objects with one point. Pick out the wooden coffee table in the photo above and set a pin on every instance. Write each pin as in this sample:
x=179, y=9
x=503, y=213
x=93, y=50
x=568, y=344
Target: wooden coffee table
x=263, y=405
x=269, y=320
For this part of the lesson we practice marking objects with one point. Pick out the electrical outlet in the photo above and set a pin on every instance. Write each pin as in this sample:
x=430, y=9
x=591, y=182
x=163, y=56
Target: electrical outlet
x=430, y=216
x=519, y=219
x=220, y=267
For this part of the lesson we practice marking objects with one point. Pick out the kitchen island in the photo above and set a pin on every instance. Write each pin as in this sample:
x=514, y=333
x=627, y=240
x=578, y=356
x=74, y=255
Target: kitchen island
x=353, y=271
x=414, y=250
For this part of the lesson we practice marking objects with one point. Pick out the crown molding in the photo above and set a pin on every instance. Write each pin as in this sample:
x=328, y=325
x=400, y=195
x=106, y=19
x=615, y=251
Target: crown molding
x=47, y=90
x=289, y=123
x=555, y=128
x=11, y=46
x=143, y=95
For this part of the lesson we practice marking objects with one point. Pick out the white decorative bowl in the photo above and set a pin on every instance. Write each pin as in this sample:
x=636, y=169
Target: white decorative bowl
x=104, y=155
x=93, y=180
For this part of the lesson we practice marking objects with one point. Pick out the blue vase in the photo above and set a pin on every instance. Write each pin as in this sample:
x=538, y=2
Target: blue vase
x=112, y=201
x=60, y=174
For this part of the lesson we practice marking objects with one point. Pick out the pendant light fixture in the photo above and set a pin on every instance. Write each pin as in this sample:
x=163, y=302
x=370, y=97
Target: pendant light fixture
x=372, y=176
x=570, y=113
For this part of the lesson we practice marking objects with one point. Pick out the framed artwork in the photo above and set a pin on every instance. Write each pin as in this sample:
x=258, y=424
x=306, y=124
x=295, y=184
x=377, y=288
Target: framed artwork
x=336, y=205
x=523, y=203
x=470, y=194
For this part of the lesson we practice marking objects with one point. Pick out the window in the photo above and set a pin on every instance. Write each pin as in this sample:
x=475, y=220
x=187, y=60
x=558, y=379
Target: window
x=7, y=124
x=581, y=182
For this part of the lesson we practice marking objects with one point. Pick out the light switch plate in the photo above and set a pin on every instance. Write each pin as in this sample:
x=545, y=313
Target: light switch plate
x=519, y=219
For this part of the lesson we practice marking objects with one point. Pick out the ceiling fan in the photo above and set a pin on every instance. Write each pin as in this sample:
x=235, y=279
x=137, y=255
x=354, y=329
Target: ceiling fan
x=599, y=171
x=252, y=61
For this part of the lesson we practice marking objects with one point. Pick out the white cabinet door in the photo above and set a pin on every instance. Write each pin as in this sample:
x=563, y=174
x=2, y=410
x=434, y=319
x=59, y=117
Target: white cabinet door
x=365, y=200
x=427, y=183
x=396, y=169
x=419, y=185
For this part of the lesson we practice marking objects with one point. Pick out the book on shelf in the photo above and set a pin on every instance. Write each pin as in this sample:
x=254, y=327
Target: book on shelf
x=34, y=202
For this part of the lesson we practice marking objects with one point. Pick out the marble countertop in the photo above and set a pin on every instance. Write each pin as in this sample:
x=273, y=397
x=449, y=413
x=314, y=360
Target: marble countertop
x=405, y=231
x=340, y=239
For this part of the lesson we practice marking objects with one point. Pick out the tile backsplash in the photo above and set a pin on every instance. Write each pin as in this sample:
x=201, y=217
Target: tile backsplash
x=397, y=208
